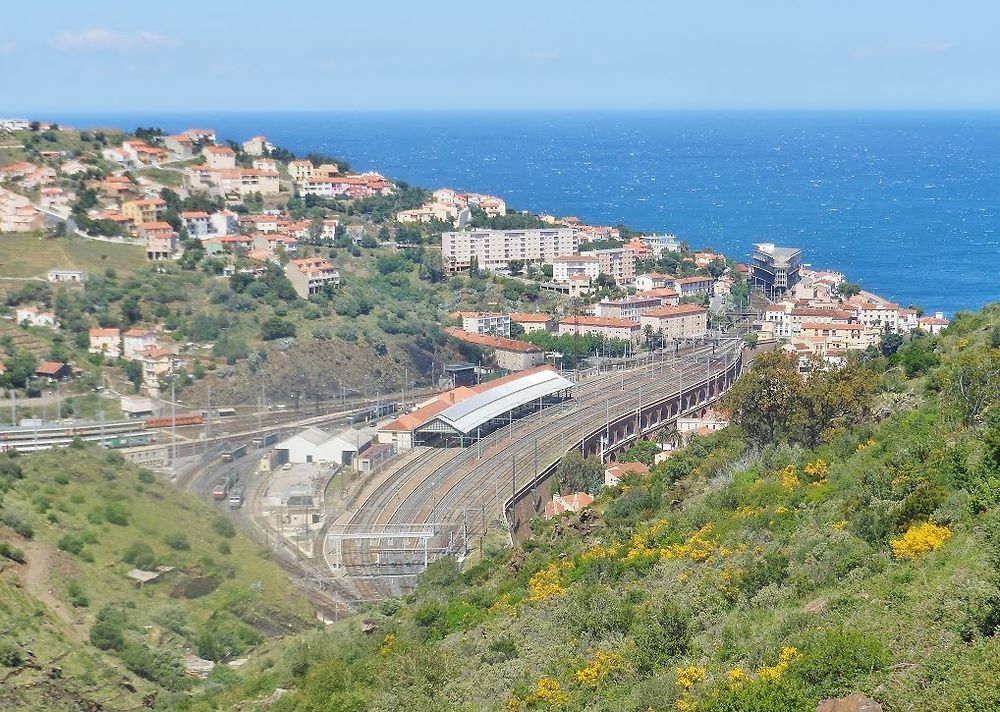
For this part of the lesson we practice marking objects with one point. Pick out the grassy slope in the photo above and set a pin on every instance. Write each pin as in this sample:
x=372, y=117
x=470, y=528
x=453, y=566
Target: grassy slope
x=28, y=255
x=68, y=492
x=804, y=564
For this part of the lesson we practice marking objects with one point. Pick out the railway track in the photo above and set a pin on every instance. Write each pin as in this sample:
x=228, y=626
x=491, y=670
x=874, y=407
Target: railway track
x=442, y=490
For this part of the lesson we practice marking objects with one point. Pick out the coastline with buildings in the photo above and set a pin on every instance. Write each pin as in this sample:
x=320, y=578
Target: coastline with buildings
x=621, y=289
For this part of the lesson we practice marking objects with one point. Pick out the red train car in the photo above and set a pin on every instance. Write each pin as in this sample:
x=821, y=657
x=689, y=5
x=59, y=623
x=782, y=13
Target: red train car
x=181, y=420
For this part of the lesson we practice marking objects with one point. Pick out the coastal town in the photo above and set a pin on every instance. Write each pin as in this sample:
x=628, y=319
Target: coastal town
x=245, y=210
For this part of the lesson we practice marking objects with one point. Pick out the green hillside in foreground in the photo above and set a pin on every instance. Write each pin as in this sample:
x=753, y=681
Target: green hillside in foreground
x=843, y=537
x=76, y=633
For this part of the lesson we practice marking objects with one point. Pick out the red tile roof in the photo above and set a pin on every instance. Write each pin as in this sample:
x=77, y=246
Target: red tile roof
x=493, y=342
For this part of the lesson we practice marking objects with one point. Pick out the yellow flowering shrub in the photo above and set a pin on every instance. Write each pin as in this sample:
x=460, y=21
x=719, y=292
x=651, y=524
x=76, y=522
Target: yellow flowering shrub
x=787, y=477
x=774, y=672
x=697, y=547
x=919, y=539
x=841, y=525
x=818, y=470
x=598, y=551
x=387, y=644
x=870, y=442
x=737, y=675
x=550, y=692
x=602, y=665
x=504, y=604
x=545, y=583
x=688, y=677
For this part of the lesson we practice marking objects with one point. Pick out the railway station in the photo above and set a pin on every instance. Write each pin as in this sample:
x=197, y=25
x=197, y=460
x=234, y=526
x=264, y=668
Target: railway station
x=462, y=415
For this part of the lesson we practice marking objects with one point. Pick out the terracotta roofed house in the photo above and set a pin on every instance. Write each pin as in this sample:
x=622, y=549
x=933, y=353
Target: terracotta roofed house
x=106, y=342
x=310, y=275
x=509, y=354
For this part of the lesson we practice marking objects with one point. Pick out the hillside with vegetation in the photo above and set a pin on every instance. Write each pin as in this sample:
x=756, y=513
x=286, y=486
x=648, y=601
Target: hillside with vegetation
x=76, y=632
x=842, y=536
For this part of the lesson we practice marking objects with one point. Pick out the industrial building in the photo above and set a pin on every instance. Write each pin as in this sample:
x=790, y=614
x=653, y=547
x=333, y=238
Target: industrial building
x=463, y=415
x=315, y=445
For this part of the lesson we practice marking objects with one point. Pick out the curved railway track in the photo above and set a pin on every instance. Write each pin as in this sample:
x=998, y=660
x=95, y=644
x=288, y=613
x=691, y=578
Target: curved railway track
x=441, y=487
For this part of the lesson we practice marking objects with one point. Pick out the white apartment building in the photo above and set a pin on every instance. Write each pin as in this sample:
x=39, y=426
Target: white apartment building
x=690, y=286
x=878, y=315
x=564, y=269
x=486, y=323
x=661, y=243
x=493, y=250
x=653, y=280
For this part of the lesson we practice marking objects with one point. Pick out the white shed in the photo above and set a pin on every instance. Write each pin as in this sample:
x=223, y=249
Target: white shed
x=315, y=445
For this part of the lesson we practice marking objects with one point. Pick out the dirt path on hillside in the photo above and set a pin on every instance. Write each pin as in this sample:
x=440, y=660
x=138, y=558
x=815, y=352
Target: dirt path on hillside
x=36, y=581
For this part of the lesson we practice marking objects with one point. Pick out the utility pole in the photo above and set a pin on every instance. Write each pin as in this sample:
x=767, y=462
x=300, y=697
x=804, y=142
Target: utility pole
x=173, y=418
x=208, y=420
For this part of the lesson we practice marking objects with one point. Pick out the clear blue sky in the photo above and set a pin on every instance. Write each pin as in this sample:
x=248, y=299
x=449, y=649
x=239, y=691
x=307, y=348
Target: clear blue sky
x=182, y=55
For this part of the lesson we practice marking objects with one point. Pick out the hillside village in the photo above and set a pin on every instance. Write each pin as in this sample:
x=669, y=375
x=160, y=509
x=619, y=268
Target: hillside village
x=285, y=233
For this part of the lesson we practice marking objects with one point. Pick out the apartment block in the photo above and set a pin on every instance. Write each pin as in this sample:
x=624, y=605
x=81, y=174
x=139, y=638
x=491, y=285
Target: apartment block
x=493, y=250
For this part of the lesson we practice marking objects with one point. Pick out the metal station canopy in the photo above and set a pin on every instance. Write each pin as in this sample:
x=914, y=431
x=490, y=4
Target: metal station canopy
x=469, y=414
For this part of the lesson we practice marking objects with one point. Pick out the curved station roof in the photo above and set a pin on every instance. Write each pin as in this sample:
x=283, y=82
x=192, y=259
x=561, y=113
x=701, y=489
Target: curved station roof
x=462, y=410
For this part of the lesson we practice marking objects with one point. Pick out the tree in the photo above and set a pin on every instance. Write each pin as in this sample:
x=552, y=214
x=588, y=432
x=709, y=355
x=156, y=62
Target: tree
x=643, y=451
x=832, y=398
x=133, y=372
x=19, y=370
x=848, y=289
x=890, y=343
x=276, y=328
x=761, y=400
x=576, y=473
x=972, y=381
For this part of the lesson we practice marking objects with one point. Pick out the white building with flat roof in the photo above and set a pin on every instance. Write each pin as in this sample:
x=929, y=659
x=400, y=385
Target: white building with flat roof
x=565, y=268
x=494, y=250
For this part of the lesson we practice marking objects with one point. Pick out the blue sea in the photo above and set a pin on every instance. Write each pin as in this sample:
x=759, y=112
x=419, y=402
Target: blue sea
x=906, y=203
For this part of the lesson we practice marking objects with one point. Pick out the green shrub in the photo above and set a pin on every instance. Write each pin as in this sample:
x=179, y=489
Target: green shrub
x=9, y=552
x=10, y=654
x=177, y=542
x=224, y=637
x=116, y=513
x=159, y=666
x=223, y=527
x=77, y=597
x=71, y=543
x=140, y=555
x=783, y=695
x=500, y=651
x=661, y=634
x=833, y=663
x=107, y=635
